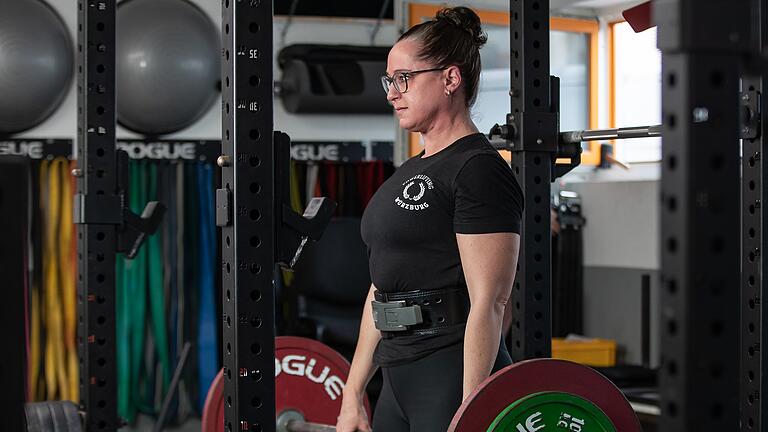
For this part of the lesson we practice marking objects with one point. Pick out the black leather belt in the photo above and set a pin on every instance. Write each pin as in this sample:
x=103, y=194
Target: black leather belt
x=420, y=312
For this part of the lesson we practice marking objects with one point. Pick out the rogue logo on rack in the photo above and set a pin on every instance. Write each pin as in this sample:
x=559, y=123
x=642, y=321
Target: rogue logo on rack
x=307, y=152
x=32, y=149
x=159, y=150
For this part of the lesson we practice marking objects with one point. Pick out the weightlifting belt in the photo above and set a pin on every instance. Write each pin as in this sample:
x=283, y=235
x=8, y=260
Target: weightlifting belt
x=419, y=312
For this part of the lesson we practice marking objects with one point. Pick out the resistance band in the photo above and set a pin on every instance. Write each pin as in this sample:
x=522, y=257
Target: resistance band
x=206, y=338
x=156, y=293
x=185, y=406
x=173, y=275
x=55, y=372
x=67, y=270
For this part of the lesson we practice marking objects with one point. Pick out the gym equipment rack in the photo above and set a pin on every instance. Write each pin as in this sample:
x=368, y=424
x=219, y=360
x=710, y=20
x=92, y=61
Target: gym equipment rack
x=705, y=47
x=704, y=50
x=97, y=213
x=245, y=211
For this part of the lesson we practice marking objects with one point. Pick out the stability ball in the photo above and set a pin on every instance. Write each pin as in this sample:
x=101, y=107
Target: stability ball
x=167, y=65
x=36, y=64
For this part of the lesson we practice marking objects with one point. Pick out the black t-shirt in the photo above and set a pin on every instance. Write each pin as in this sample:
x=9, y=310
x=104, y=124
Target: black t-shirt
x=410, y=227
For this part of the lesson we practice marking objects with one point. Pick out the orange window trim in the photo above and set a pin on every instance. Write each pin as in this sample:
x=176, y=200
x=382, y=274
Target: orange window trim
x=612, y=76
x=612, y=72
x=418, y=11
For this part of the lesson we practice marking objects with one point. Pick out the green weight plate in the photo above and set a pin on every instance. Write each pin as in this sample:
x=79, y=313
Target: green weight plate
x=552, y=411
x=519, y=381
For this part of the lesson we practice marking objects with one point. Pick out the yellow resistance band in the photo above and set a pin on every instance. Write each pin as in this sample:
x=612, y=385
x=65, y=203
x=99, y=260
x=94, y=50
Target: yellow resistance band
x=66, y=254
x=55, y=371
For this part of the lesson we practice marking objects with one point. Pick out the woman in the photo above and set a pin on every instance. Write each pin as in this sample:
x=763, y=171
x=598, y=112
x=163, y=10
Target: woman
x=442, y=236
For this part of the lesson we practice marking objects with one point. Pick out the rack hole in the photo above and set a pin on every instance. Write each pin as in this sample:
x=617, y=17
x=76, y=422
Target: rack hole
x=672, y=244
x=672, y=409
x=672, y=327
x=716, y=79
x=717, y=328
x=671, y=79
x=672, y=162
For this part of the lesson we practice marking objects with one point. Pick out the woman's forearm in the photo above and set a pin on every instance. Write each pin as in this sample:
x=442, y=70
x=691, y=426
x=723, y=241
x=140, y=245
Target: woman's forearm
x=481, y=344
x=363, y=367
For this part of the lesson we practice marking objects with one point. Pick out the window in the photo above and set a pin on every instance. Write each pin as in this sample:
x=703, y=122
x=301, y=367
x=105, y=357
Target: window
x=635, y=85
x=573, y=58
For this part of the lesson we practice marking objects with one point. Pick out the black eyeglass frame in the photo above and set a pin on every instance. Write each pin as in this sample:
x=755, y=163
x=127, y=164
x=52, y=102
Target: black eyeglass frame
x=387, y=81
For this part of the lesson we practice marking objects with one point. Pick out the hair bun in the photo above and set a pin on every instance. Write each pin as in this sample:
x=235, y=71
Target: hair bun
x=466, y=19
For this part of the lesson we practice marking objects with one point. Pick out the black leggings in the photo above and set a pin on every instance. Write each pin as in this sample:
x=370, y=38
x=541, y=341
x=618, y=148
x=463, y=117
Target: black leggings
x=423, y=396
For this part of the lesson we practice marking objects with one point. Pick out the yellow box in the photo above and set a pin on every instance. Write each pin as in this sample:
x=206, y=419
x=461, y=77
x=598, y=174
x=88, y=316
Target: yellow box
x=591, y=352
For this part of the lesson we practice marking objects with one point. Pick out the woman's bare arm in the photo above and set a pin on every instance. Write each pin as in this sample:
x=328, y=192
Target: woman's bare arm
x=489, y=262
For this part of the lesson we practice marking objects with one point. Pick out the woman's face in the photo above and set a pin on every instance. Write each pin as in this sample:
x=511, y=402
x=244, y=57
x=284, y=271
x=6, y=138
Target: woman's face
x=417, y=108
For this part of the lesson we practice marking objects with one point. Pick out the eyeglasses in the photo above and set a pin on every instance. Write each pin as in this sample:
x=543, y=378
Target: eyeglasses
x=400, y=79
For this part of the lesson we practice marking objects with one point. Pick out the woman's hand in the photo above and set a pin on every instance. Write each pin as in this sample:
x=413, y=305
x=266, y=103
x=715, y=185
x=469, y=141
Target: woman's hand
x=353, y=416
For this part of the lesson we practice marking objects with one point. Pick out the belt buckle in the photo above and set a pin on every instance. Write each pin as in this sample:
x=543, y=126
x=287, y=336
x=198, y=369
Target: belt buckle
x=395, y=316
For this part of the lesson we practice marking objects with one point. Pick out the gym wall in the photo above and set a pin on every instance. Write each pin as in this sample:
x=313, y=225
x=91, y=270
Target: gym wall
x=620, y=246
x=63, y=122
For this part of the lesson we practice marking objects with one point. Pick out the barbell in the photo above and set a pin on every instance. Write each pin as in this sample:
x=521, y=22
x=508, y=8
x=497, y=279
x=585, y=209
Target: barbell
x=539, y=395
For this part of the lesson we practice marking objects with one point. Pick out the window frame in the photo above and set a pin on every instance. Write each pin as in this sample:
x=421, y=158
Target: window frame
x=611, y=58
x=591, y=155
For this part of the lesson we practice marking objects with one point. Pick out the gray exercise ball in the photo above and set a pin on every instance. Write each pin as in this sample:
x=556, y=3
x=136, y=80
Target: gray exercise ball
x=36, y=63
x=167, y=65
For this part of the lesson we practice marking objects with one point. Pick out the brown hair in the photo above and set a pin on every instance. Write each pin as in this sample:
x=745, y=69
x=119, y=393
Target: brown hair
x=453, y=37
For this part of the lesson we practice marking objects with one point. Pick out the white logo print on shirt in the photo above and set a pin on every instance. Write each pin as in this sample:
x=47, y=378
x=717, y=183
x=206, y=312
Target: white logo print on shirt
x=413, y=191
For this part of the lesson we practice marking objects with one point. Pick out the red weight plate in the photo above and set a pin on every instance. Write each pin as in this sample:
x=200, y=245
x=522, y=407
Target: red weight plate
x=309, y=377
x=213, y=411
x=542, y=375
